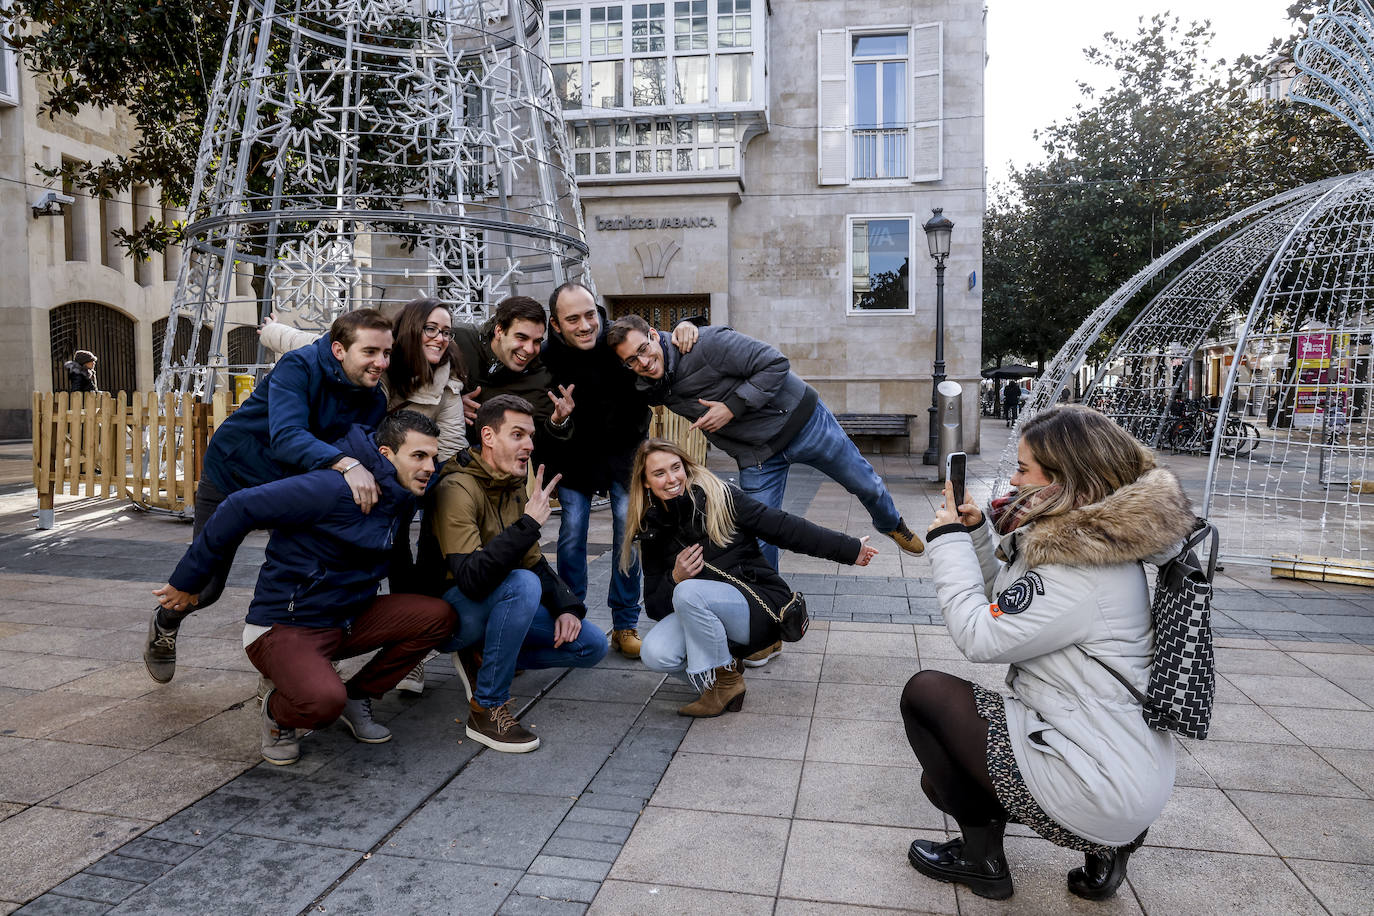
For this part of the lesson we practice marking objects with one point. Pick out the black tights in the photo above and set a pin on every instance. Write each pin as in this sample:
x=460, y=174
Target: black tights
x=951, y=741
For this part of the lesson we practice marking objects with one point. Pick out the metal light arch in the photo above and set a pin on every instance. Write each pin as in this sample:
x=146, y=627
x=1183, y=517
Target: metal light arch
x=407, y=148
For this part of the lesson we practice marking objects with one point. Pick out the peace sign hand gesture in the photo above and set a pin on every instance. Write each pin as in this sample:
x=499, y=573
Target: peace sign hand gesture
x=562, y=404
x=537, y=506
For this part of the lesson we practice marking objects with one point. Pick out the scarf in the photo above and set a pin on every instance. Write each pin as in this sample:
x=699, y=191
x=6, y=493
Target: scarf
x=1009, y=512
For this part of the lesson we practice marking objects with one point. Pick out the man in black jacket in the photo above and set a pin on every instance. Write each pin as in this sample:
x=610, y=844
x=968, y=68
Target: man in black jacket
x=612, y=419
x=512, y=608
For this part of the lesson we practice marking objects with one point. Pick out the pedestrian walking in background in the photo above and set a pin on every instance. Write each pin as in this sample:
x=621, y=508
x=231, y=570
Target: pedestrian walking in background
x=1011, y=401
x=705, y=578
x=1052, y=577
x=81, y=372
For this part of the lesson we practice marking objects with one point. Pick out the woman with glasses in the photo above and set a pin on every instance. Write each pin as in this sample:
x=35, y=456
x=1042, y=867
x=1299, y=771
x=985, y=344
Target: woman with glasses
x=426, y=372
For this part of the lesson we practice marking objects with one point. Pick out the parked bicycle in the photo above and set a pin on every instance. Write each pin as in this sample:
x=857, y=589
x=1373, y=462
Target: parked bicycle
x=1192, y=425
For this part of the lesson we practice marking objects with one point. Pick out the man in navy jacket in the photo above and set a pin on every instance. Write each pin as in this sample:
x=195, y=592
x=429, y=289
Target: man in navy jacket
x=316, y=598
x=311, y=398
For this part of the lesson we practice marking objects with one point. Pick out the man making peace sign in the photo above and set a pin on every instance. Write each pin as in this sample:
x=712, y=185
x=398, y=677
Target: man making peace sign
x=513, y=610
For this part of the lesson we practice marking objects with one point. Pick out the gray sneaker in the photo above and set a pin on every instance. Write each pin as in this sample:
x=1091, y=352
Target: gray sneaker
x=357, y=715
x=280, y=746
x=160, y=652
x=414, y=682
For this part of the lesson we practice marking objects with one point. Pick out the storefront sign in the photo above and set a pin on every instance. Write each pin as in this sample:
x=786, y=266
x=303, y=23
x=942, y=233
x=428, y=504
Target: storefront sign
x=615, y=223
x=1323, y=383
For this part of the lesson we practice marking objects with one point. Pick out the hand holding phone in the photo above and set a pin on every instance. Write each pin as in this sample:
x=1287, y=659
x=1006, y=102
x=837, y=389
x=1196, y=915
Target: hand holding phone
x=956, y=467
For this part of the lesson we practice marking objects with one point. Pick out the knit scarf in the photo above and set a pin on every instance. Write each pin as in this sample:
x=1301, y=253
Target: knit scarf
x=1010, y=511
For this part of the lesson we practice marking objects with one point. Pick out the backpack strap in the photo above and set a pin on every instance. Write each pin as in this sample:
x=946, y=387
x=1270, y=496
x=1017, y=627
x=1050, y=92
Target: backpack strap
x=1140, y=697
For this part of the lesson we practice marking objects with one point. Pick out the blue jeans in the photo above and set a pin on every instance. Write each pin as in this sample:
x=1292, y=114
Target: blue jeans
x=516, y=631
x=572, y=553
x=825, y=447
x=693, y=639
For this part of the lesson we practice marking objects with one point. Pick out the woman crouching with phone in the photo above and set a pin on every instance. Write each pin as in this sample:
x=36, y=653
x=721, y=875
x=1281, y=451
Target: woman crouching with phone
x=1052, y=584
x=695, y=533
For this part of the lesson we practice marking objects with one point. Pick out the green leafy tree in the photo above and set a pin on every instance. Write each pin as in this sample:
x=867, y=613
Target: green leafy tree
x=1165, y=150
x=155, y=61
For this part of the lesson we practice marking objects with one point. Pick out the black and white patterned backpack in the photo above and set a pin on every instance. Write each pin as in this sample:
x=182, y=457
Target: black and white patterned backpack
x=1182, y=681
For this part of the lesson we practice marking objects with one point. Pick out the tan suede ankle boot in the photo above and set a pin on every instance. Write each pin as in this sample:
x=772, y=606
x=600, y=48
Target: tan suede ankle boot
x=726, y=694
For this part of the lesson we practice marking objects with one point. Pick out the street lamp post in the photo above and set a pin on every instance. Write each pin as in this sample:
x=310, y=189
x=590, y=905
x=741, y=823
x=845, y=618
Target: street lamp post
x=938, y=229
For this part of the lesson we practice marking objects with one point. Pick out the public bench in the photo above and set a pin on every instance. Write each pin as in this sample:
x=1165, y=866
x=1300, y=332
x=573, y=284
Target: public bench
x=876, y=425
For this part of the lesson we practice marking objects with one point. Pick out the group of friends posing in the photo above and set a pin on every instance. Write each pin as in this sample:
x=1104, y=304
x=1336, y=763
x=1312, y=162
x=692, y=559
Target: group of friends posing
x=478, y=429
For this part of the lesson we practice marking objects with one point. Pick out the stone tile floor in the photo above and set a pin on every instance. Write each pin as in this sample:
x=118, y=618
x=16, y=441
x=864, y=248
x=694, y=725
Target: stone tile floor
x=120, y=795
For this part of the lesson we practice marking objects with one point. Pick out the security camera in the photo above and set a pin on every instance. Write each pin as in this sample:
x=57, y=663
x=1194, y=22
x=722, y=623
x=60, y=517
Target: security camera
x=51, y=203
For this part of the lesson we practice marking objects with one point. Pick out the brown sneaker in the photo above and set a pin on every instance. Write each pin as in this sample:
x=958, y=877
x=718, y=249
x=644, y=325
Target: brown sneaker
x=763, y=656
x=498, y=729
x=626, y=642
x=906, y=540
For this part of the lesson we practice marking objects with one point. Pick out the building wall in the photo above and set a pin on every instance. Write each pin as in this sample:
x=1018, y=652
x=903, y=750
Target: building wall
x=774, y=253
x=37, y=275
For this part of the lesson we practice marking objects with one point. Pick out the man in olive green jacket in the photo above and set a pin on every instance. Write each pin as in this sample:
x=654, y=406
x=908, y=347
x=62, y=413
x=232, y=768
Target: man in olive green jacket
x=513, y=610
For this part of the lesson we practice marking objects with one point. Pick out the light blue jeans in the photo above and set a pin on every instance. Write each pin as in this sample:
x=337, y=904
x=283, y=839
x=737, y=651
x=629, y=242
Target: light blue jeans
x=623, y=597
x=515, y=631
x=824, y=446
x=693, y=639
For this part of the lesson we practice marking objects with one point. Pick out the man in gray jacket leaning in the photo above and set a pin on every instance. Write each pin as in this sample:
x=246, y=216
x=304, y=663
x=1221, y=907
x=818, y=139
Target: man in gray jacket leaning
x=744, y=396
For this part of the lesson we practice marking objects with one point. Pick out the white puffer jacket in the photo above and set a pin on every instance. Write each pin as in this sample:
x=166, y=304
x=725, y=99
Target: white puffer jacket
x=441, y=400
x=1054, y=592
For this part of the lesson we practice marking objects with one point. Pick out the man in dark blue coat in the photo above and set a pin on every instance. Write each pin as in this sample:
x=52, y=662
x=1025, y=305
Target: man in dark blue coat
x=316, y=598
x=311, y=398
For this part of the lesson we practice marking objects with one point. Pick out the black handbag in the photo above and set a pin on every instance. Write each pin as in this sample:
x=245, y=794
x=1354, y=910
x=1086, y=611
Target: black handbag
x=792, y=618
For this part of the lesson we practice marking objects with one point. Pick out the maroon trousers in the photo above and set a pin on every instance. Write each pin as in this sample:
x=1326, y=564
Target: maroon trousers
x=297, y=660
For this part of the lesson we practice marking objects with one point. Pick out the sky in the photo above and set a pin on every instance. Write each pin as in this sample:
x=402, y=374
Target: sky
x=1033, y=83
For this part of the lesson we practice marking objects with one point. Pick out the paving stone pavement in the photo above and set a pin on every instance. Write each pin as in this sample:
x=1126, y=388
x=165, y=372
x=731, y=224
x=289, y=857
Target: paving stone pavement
x=120, y=795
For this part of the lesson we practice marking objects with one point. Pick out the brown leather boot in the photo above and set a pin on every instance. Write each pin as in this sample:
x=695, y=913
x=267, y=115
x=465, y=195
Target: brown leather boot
x=725, y=695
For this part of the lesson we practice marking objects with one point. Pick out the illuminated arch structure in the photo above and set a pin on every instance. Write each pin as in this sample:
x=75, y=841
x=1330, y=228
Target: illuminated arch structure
x=365, y=152
x=1287, y=286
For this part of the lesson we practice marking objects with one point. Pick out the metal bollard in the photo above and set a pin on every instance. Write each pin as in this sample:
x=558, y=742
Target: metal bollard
x=950, y=400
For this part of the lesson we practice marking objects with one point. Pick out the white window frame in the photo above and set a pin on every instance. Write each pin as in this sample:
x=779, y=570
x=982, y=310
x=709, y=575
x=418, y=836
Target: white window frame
x=853, y=100
x=668, y=56
x=835, y=91
x=849, y=309
x=9, y=61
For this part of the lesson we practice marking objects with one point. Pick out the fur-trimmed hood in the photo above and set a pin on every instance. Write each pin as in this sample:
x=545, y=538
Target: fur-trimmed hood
x=1142, y=520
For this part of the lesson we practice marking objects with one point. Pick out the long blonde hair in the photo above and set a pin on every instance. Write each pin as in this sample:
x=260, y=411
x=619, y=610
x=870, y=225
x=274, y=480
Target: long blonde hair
x=719, y=509
x=1084, y=454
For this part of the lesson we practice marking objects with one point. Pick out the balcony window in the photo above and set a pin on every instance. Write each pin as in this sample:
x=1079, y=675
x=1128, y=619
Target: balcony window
x=567, y=85
x=646, y=28
x=880, y=264
x=880, y=106
x=650, y=82
x=735, y=78
x=565, y=34
x=607, y=30
x=692, y=86
x=608, y=84
x=650, y=146
x=733, y=24
x=689, y=25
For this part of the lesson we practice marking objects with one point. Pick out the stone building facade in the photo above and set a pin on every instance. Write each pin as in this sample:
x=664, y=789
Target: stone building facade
x=66, y=284
x=772, y=164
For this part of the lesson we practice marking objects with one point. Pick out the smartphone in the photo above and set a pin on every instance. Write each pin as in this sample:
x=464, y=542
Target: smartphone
x=956, y=466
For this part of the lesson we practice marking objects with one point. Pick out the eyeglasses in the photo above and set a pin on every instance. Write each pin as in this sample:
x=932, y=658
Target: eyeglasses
x=433, y=330
x=638, y=355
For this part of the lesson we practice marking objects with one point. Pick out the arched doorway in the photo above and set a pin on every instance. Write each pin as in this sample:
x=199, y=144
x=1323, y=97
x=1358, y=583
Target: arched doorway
x=182, y=343
x=105, y=331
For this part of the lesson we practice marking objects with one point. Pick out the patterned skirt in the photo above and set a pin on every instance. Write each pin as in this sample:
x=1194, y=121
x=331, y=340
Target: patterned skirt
x=1011, y=787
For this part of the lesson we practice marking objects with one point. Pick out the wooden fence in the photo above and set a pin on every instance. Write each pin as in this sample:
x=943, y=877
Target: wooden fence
x=142, y=448
x=149, y=450
x=668, y=425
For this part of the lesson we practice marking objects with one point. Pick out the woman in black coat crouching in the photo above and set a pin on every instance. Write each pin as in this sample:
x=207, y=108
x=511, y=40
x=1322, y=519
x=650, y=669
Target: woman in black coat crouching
x=705, y=581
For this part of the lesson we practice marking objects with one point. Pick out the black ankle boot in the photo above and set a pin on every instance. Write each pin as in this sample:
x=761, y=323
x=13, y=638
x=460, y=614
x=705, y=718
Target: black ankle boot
x=1100, y=876
x=974, y=860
